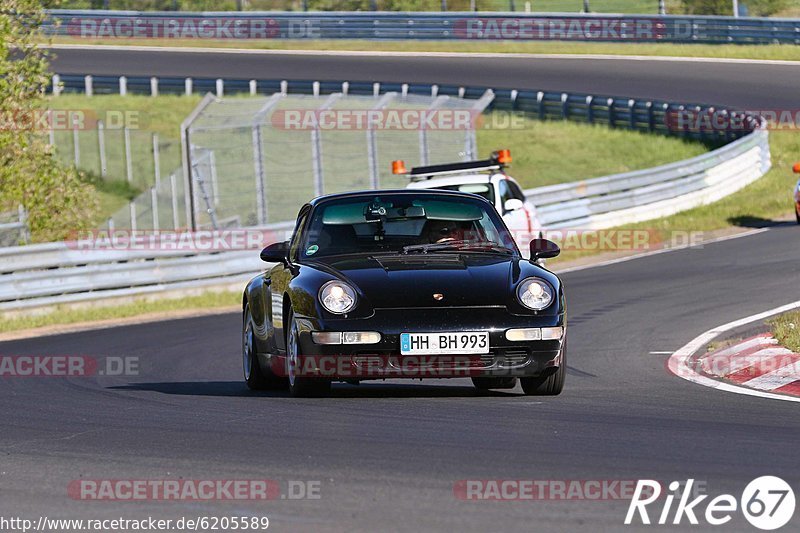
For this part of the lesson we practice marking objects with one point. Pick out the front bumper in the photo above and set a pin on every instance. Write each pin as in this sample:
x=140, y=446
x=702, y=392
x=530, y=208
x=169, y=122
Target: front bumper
x=384, y=360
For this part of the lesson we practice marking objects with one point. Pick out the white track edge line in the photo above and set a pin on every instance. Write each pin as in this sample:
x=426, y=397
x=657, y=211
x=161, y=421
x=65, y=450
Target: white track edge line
x=677, y=363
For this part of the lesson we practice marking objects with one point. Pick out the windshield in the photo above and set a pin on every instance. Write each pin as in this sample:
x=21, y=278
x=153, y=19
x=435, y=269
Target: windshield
x=405, y=223
x=481, y=189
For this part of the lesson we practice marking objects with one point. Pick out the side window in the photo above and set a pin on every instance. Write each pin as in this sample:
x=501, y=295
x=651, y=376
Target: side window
x=505, y=192
x=294, y=245
x=516, y=192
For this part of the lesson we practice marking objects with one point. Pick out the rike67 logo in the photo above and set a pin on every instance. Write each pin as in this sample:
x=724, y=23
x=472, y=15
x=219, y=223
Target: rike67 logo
x=767, y=502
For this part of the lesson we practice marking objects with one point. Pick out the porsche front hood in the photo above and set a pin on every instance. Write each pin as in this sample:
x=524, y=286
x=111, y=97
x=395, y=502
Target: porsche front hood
x=429, y=280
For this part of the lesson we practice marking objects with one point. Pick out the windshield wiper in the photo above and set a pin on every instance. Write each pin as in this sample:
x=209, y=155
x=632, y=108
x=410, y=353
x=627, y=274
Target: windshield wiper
x=457, y=245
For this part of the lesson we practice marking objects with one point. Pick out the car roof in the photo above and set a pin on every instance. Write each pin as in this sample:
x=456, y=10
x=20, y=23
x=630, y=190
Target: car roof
x=373, y=192
x=461, y=179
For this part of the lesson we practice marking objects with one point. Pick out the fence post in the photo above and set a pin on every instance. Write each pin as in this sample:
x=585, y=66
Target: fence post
x=76, y=144
x=23, y=220
x=258, y=159
x=88, y=85
x=153, y=86
x=126, y=134
x=123, y=86
x=156, y=160
x=56, y=85
x=372, y=141
x=133, y=216
x=101, y=147
x=173, y=188
x=212, y=163
x=154, y=206
x=187, y=86
x=111, y=225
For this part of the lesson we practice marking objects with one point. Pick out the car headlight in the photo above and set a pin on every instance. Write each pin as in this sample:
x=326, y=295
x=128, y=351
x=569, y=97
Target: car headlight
x=535, y=293
x=337, y=297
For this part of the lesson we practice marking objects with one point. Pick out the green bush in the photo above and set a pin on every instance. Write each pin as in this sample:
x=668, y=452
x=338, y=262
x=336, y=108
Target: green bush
x=57, y=200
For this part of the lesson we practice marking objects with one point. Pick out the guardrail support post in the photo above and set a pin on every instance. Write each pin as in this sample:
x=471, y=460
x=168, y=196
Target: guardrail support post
x=611, y=114
x=56, y=85
x=540, y=104
x=345, y=87
x=376, y=89
x=632, y=114
x=564, y=106
x=126, y=134
x=133, y=216
x=253, y=87
x=123, y=86
x=153, y=86
x=101, y=148
x=220, y=88
x=88, y=86
x=188, y=84
x=284, y=87
x=589, y=110
x=651, y=119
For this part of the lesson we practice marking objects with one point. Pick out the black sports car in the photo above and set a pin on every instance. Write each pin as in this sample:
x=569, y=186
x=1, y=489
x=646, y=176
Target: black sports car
x=404, y=284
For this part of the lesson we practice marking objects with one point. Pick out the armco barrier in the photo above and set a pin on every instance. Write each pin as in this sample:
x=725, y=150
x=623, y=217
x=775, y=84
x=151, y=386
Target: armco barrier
x=40, y=276
x=424, y=26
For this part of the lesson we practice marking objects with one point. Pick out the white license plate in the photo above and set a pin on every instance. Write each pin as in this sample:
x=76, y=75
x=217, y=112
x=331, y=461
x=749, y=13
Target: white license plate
x=464, y=342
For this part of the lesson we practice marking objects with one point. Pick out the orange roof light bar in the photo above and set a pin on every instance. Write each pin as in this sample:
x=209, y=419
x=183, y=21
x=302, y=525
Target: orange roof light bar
x=503, y=156
x=399, y=167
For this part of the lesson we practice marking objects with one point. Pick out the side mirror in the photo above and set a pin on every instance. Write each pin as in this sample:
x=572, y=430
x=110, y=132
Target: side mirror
x=543, y=249
x=277, y=252
x=512, y=204
x=796, y=168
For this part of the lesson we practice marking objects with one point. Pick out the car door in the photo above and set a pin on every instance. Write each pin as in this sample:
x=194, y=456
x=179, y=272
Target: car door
x=280, y=277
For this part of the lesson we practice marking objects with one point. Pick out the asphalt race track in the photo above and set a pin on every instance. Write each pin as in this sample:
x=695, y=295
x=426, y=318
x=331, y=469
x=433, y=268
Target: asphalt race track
x=387, y=454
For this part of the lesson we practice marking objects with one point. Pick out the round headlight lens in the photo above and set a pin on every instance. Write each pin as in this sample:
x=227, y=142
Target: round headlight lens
x=337, y=297
x=535, y=293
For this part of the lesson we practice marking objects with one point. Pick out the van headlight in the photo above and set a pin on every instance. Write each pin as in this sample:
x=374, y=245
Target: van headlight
x=337, y=297
x=535, y=293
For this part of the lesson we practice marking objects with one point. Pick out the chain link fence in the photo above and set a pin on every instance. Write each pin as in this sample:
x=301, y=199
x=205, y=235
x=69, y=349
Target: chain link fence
x=252, y=161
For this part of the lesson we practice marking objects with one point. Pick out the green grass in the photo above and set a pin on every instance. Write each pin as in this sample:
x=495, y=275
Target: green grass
x=62, y=315
x=786, y=52
x=786, y=329
x=548, y=152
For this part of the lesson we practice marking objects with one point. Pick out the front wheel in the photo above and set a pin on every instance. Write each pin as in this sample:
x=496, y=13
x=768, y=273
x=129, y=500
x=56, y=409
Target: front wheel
x=300, y=386
x=549, y=383
x=797, y=215
x=253, y=376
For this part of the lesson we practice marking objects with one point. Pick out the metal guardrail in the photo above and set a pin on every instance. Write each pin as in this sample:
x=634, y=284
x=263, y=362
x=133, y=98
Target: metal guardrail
x=425, y=26
x=14, y=228
x=44, y=275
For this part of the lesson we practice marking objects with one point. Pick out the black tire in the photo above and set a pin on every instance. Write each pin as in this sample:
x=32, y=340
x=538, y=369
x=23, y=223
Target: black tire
x=494, y=383
x=797, y=215
x=301, y=387
x=253, y=375
x=550, y=382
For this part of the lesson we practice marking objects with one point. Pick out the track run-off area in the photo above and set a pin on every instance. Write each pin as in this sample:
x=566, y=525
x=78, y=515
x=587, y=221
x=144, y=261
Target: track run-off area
x=391, y=456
